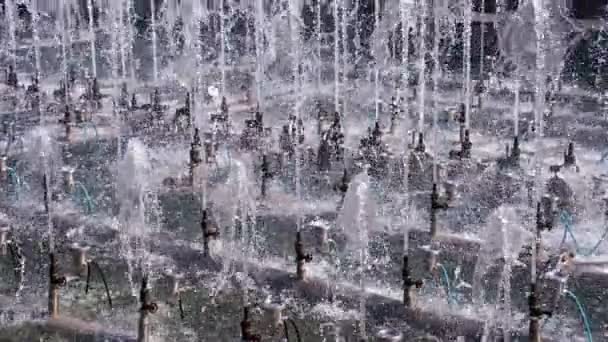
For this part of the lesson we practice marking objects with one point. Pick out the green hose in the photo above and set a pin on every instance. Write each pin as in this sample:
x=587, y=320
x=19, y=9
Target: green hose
x=581, y=310
x=87, y=199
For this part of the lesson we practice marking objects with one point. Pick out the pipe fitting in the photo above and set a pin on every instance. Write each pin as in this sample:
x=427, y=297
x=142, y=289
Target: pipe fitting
x=536, y=314
x=79, y=259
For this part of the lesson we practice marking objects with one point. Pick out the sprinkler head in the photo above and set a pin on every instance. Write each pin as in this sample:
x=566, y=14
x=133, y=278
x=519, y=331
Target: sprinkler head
x=569, y=157
x=436, y=201
x=420, y=147
x=515, y=153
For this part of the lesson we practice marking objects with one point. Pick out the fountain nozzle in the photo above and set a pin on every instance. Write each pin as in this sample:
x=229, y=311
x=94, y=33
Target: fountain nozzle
x=342, y=186
x=302, y=257
x=438, y=202
x=569, y=157
x=420, y=147
x=545, y=213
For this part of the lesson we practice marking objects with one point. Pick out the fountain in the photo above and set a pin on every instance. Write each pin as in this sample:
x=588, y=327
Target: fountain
x=234, y=170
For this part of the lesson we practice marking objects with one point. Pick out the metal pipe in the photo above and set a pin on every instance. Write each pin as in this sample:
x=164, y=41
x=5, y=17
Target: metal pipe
x=544, y=221
x=147, y=307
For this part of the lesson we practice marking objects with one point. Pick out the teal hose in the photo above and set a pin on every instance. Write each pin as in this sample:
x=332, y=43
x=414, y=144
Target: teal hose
x=16, y=180
x=581, y=310
x=87, y=199
x=566, y=220
x=446, y=279
x=90, y=123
